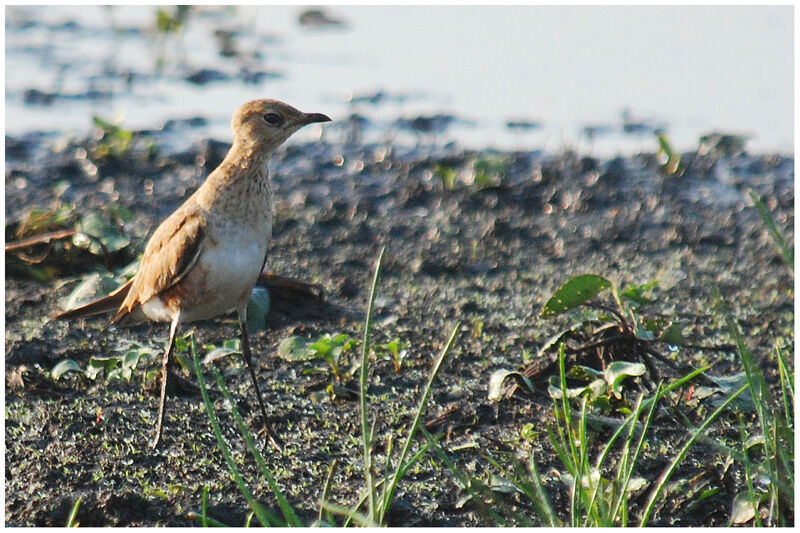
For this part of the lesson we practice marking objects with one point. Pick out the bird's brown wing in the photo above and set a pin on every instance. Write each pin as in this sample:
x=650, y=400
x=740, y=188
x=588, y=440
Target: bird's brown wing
x=170, y=254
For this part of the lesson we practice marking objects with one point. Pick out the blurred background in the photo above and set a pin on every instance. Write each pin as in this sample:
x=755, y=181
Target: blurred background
x=599, y=80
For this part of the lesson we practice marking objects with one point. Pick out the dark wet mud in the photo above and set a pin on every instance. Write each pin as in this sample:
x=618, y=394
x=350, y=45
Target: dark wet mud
x=481, y=238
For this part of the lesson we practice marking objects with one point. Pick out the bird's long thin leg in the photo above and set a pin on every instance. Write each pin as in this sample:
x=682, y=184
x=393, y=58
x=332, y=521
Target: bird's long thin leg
x=248, y=359
x=164, y=372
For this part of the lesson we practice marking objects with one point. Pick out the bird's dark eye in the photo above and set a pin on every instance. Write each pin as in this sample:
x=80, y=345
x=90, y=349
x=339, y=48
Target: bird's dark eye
x=273, y=119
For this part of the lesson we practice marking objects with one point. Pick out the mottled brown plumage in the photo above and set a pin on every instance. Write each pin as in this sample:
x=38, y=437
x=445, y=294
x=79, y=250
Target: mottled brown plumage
x=205, y=258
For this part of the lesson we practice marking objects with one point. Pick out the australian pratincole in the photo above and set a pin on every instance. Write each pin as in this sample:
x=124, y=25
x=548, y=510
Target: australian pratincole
x=205, y=258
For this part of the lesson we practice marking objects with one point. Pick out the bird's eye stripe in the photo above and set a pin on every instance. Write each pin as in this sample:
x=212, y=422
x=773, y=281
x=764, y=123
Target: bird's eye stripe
x=273, y=119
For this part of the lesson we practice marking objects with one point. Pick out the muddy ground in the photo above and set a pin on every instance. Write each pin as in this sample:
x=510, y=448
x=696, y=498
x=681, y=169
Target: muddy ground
x=487, y=254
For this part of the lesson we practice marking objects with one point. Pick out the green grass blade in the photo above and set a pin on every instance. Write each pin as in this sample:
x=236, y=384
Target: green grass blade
x=787, y=386
x=622, y=496
x=351, y=514
x=426, y=393
x=264, y=516
x=664, y=478
x=366, y=434
x=515, y=478
x=465, y=483
x=747, y=479
x=544, y=506
x=625, y=451
x=569, y=441
x=755, y=379
x=74, y=513
x=769, y=221
x=286, y=508
x=326, y=491
x=362, y=501
x=204, y=516
x=207, y=521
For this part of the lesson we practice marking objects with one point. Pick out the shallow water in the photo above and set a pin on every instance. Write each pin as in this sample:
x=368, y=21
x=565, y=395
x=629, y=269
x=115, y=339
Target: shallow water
x=557, y=71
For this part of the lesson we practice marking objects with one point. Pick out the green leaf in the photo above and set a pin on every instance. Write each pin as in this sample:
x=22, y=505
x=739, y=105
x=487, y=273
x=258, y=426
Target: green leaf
x=639, y=294
x=98, y=364
x=573, y=293
x=617, y=371
x=743, y=509
x=67, y=365
x=644, y=334
x=121, y=212
x=103, y=124
x=673, y=335
x=594, y=389
x=584, y=373
x=497, y=379
x=218, y=353
x=726, y=384
x=295, y=348
x=322, y=347
x=93, y=225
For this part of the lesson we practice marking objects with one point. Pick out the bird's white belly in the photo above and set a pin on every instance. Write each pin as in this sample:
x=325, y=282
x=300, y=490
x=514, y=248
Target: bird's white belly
x=228, y=272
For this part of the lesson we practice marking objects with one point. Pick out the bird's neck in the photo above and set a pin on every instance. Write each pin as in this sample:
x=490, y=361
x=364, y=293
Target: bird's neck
x=241, y=182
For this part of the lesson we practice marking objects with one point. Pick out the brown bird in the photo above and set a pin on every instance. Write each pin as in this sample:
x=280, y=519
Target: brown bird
x=205, y=258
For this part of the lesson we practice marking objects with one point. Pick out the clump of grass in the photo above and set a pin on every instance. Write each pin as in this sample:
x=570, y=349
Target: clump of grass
x=776, y=423
x=379, y=495
x=265, y=517
x=772, y=227
x=596, y=499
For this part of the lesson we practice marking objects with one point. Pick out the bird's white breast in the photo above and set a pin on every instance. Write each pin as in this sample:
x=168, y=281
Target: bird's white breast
x=229, y=265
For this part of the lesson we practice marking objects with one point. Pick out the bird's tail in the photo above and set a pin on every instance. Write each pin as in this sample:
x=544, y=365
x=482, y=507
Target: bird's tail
x=104, y=305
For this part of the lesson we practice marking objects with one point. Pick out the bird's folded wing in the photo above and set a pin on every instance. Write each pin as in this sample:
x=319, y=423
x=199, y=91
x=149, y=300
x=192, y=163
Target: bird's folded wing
x=171, y=253
x=98, y=307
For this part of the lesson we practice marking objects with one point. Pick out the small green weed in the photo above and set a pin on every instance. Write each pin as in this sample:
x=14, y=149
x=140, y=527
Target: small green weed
x=669, y=159
x=114, y=141
x=330, y=348
x=115, y=367
x=378, y=494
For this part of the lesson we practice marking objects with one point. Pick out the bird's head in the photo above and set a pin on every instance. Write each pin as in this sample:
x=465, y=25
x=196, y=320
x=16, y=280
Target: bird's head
x=266, y=124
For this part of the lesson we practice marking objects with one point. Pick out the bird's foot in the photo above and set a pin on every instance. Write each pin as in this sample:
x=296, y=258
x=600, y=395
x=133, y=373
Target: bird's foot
x=273, y=439
x=181, y=386
x=177, y=385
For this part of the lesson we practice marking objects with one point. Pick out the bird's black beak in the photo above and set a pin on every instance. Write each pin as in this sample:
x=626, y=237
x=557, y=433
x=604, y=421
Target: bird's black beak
x=310, y=118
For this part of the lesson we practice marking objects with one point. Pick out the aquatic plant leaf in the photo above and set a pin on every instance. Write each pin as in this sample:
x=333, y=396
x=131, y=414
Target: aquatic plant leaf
x=98, y=364
x=726, y=384
x=295, y=348
x=62, y=367
x=743, y=509
x=672, y=335
x=573, y=293
x=94, y=225
x=617, y=371
x=595, y=389
x=229, y=347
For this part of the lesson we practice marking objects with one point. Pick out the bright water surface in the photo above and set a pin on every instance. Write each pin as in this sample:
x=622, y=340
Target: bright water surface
x=691, y=69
